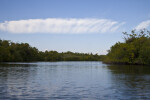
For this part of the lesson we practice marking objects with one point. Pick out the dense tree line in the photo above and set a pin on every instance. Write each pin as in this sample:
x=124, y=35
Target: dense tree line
x=23, y=52
x=135, y=49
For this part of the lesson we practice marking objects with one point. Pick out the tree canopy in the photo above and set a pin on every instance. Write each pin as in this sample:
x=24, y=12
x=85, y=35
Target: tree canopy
x=135, y=49
x=23, y=52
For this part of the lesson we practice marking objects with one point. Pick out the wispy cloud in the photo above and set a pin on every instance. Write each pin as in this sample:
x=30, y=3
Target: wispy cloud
x=61, y=25
x=142, y=25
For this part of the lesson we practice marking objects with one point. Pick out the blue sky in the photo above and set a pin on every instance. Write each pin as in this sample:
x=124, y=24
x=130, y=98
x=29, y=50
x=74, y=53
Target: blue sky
x=72, y=25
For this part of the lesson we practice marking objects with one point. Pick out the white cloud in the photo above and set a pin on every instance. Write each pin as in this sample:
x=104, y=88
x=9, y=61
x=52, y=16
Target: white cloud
x=142, y=25
x=60, y=25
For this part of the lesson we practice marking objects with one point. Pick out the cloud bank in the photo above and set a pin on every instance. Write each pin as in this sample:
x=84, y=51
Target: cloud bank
x=142, y=25
x=61, y=25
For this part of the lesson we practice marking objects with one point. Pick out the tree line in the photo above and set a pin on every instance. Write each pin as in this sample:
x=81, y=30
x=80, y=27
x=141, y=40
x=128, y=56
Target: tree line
x=135, y=49
x=23, y=52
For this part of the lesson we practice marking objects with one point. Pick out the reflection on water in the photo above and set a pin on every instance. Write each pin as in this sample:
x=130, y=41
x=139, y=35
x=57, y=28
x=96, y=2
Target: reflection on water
x=73, y=81
x=131, y=81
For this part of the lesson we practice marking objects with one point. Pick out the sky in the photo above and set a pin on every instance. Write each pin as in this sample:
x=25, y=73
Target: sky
x=85, y=26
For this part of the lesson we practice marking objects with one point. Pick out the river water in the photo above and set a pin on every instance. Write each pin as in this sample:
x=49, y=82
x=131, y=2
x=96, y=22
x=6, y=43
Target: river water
x=73, y=81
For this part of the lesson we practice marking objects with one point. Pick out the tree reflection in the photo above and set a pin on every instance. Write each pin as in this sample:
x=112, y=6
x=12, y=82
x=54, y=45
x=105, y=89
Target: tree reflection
x=14, y=79
x=131, y=80
x=129, y=69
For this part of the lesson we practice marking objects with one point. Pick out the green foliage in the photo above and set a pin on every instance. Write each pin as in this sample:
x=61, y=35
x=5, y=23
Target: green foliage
x=135, y=49
x=23, y=52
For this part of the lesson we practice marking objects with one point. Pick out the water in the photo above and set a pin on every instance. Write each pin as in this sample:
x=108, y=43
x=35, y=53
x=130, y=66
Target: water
x=73, y=81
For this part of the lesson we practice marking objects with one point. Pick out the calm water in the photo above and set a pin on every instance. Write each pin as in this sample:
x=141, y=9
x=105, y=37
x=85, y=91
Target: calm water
x=73, y=81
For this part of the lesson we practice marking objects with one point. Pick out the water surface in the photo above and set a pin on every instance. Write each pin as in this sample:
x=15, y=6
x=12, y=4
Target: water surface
x=73, y=81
